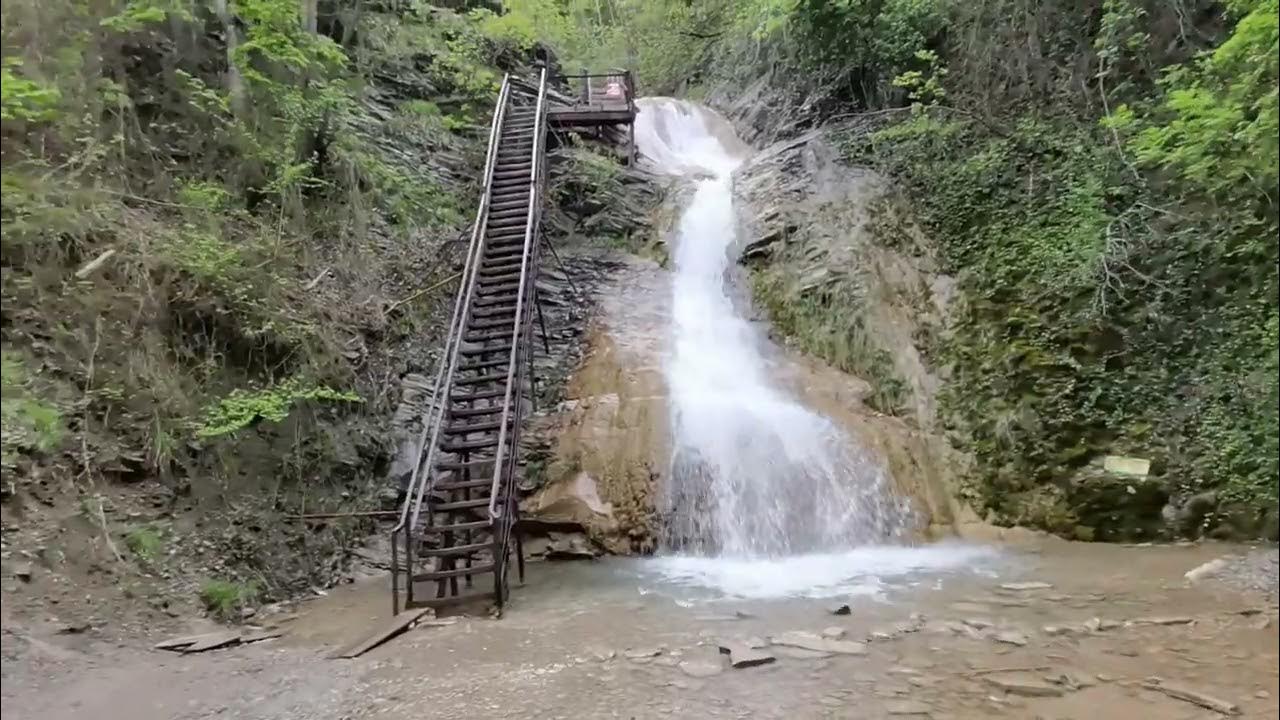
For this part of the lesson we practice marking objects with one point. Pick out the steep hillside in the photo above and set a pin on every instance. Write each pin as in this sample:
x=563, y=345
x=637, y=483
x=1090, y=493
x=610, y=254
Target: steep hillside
x=228, y=231
x=1099, y=179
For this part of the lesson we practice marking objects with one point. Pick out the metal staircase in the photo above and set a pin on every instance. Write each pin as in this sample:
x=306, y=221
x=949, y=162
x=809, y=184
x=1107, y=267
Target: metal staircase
x=458, y=519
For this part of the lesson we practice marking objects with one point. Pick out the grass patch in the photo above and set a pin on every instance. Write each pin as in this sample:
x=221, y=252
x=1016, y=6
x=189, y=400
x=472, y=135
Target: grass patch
x=145, y=542
x=224, y=599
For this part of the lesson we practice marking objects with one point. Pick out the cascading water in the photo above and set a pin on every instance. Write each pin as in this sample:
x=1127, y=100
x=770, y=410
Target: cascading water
x=754, y=474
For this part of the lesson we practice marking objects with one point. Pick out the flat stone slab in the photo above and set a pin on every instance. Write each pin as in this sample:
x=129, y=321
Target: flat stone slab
x=1024, y=688
x=701, y=668
x=796, y=653
x=741, y=655
x=817, y=643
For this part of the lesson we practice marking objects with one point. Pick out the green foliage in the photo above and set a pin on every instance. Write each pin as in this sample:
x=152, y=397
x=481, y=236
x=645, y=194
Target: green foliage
x=243, y=408
x=1087, y=315
x=28, y=424
x=1218, y=126
x=145, y=542
x=827, y=322
x=225, y=599
x=23, y=98
x=524, y=22
x=204, y=195
x=138, y=14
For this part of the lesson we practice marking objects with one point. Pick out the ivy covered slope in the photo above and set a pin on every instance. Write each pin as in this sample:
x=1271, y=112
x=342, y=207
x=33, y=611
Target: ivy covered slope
x=228, y=228
x=1101, y=181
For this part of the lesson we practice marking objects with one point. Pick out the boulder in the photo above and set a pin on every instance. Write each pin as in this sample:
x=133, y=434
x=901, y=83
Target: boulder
x=574, y=501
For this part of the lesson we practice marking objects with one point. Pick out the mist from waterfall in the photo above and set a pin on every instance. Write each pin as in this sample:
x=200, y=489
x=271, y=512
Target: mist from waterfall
x=754, y=474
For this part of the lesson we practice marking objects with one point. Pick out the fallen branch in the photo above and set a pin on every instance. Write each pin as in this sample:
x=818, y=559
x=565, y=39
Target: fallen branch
x=1179, y=692
x=1025, y=668
x=421, y=292
x=316, y=280
x=338, y=515
x=92, y=266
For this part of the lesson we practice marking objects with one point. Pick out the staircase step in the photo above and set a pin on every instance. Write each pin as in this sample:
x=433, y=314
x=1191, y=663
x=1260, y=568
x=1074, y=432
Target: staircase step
x=467, y=445
x=521, y=203
x=484, y=395
x=454, y=465
x=481, y=365
x=445, y=574
x=521, y=194
x=456, y=550
x=491, y=280
x=463, y=484
x=498, y=269
x=454, y=527
x=507, y=322
x=480, y=380
x=497, y=311
x=485, y=350
x=490, y=299
x=460, y=505
x=505, y=291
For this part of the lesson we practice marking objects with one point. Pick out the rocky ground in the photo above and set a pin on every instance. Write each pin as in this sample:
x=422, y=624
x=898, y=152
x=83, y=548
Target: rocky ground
x=1045, y=630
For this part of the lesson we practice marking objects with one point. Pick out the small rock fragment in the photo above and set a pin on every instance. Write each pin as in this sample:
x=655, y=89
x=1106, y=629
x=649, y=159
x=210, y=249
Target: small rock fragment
x=1174, y=620
x=641, y=653
x=1034, y=585
x=1070, y=681
x=977, y=623
x=23, y=571
x=796, y=653
x=1058, y=630
x=1205, y=571
x=841, y=610
x=906, y=707
x=1010, y=637
x=1024, y=688
x=701, y=668
x=1100, y=625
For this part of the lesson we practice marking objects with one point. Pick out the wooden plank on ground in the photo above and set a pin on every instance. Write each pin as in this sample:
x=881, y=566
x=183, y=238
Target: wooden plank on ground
x=181, y=642
x=381, y=633
x=213, y=641
x=260, y=635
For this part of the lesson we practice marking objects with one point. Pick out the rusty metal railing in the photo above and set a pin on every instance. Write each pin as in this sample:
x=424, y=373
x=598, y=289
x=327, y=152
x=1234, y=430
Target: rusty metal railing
x=421, y=477
x=502, y=487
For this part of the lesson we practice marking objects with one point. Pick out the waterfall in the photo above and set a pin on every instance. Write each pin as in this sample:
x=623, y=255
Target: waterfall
x=754, y=474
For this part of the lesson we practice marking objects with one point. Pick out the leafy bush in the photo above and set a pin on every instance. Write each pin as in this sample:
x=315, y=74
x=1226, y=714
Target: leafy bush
x=242, y=408
x=28, y=424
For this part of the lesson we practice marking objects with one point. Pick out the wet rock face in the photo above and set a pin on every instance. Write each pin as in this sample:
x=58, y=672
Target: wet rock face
x=847, y=279
x=609, y=443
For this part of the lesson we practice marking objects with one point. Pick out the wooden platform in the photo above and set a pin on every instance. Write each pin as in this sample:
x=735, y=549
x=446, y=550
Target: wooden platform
x=581, y=115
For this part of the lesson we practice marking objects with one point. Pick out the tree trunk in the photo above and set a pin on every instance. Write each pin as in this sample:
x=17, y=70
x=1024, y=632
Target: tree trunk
x=235, y=83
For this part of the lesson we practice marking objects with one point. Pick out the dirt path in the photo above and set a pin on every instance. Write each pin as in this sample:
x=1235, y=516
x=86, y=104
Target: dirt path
x=603, y=641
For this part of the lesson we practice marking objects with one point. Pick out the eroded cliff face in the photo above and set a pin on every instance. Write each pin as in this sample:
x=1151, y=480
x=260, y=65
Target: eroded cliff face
x=854, y=292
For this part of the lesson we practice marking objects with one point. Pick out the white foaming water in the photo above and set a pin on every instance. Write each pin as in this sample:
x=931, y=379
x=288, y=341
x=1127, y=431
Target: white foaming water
x=764, y=495
x=865, y=571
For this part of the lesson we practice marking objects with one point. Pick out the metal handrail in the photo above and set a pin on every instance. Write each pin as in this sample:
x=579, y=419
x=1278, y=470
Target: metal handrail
x=417, y=488
x=521, y=309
